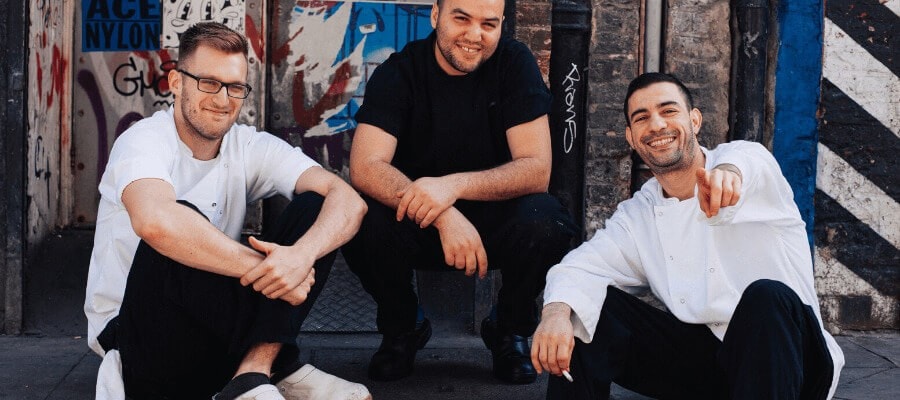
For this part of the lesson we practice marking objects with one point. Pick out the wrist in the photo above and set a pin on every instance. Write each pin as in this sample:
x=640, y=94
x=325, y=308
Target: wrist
x=556, y=309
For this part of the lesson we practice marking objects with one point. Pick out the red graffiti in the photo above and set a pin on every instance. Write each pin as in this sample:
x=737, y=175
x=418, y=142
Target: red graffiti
x=310, y=117
x=58, y=68
x=159, y=81
x=40, y=74
x=317, y=3
x=255, y=37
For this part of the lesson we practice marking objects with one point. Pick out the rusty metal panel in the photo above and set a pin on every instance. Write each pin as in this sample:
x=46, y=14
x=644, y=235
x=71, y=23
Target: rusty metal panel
x=113, y=89
x=47, y=113
x=321, y=56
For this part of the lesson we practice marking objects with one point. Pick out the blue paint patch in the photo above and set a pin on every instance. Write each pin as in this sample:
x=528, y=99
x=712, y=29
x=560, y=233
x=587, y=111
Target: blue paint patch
x=797, y=78
x=116, y=25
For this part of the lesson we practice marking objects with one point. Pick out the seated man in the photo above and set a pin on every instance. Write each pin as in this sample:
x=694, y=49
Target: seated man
x=716, y=236
x=189, y=309
x=452, y=153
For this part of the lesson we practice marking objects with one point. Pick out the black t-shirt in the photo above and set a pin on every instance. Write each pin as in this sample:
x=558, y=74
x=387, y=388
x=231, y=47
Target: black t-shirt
x=446, y=124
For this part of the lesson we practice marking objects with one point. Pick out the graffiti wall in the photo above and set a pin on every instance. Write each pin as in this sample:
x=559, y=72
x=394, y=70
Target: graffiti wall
x=113, y=88
x=322, y=55
x=857, y=223
x=49, y=90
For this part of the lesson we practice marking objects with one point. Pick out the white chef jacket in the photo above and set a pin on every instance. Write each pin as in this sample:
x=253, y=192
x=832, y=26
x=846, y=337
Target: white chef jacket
x=251, y=165
x=697, y=266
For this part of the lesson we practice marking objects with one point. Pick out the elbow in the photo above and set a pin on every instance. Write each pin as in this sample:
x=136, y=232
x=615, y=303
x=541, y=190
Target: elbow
x=151, y=230
x=360, y=208
x=542, y=181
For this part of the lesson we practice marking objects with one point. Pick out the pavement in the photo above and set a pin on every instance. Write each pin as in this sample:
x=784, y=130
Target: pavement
x=452, y=366
x=51, y=359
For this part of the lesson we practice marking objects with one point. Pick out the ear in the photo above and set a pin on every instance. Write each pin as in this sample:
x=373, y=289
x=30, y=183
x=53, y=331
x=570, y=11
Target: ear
x=175, y=83
x=696, y=119
x=628, y=136
x=434, y=15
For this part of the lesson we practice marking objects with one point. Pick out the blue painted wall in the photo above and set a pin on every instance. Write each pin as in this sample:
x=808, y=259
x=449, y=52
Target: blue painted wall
x=797, y=78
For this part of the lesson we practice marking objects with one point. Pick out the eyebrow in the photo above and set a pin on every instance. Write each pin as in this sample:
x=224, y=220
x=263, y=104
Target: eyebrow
x=460, y=11
x=660, y=105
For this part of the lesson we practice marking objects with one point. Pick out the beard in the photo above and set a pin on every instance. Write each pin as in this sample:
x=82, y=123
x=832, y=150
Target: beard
x=681, y=158
x=446, y=45
x=200, y=124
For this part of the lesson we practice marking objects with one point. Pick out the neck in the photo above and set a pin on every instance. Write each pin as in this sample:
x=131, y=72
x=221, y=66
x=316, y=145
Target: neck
x=201, y=148
x=680, y=183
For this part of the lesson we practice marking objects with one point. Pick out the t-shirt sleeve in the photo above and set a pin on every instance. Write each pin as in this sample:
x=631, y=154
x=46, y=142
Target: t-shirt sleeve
x=527, y=96
x=386, y=102
x=275, y=166
x=138, y=155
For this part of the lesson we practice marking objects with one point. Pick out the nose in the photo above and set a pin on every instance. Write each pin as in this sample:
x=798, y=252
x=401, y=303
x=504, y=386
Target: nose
x=657, y=123
x=221, y=98
x=473, y=34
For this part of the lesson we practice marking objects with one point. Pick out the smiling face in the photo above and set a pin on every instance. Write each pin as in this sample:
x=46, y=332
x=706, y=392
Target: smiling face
x=662, y=130
x=467, y=33
x=206, y=117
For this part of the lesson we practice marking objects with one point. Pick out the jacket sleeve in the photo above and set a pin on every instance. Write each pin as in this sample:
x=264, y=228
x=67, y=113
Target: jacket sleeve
x=581, y=279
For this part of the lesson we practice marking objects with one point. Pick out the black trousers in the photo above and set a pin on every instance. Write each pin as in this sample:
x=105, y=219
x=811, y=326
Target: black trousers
x=524, y=237
x=773, y=349
x=182, y=332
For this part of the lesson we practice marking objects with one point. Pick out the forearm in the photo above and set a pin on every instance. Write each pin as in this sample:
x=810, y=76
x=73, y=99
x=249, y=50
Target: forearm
x=188, y=238
x=381, y=181
x=337, y=223
x=516, y=178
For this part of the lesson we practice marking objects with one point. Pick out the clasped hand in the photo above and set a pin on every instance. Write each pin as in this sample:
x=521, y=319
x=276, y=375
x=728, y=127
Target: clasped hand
x=285, y=273
x=425, y=199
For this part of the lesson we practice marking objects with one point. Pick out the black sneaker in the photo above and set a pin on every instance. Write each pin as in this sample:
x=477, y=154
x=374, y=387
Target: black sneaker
x=511, y=354
x=396, y=355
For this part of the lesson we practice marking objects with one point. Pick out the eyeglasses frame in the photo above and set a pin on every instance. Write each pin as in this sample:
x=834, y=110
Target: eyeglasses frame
x=221, y=84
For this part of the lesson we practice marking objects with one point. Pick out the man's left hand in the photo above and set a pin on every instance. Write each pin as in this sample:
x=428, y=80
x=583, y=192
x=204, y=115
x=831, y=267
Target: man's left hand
x=717, y=188
x=425, y=199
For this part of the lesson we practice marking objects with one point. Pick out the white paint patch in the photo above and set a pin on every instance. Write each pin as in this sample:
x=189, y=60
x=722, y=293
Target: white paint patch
x=867, y=81
x=858, y=195
x=315, y=44
x=893, y=5
x=179, y=15
x=834, y=279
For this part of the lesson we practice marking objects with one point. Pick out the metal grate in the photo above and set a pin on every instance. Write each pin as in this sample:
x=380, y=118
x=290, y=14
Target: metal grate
x=343, y=305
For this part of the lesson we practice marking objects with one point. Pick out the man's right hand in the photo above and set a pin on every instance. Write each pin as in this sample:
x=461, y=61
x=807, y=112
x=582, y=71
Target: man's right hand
x=461, y=243
x=299, y=294
x=554, y=340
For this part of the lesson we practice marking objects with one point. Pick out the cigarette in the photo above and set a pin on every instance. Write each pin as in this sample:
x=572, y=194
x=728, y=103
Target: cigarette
x=567, y=375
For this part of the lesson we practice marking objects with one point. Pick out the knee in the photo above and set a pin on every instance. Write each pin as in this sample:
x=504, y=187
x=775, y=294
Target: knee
x=308, y=201
x=544, y=218
x=768, y=296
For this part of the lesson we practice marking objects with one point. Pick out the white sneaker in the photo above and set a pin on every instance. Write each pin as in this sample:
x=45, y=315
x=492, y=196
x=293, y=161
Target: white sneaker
x=309, y=383
x=261, y=392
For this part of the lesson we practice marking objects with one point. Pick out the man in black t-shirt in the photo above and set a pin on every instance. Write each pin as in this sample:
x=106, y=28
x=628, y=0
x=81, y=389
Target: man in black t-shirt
x=452, y=154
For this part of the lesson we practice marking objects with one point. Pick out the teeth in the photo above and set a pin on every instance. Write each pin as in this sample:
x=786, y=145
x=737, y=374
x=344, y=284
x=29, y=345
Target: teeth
x=468, y=49
x=662, y=142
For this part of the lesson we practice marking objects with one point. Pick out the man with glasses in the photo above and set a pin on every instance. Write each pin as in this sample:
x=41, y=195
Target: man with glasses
x=175, y=304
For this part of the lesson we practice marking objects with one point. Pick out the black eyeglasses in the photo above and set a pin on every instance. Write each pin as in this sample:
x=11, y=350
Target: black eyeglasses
x=209, y=85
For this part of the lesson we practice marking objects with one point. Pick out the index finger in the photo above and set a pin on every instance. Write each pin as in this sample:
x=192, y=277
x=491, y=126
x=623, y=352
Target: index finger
x=535, y=349
x=253, y=274
x=402, y=208
x=715, y=196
